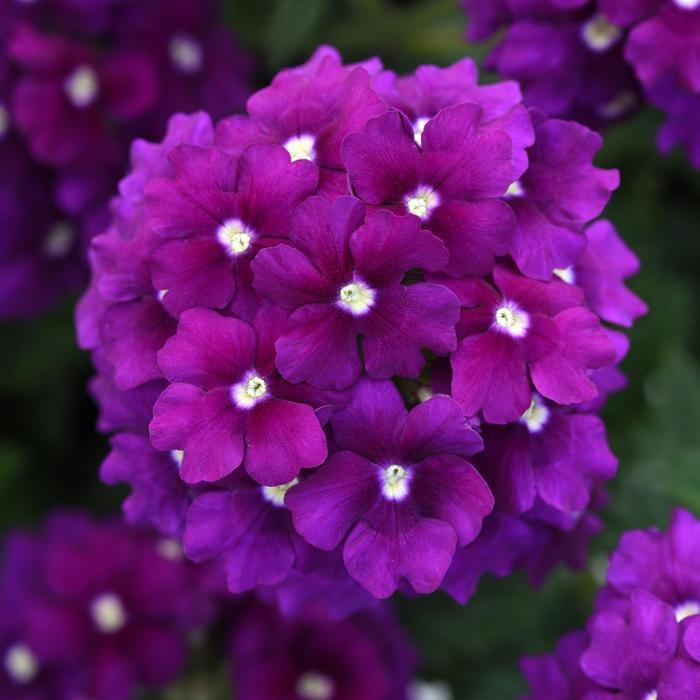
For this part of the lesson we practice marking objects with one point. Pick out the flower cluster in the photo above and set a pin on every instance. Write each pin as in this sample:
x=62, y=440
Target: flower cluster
x=95, y=609
x=78, y=80
x=592, y=60
x=313, y=658
x=352, y=341
x=643, y=639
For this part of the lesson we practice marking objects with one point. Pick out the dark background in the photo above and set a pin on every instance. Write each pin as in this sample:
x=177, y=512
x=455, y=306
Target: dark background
x=50, y=453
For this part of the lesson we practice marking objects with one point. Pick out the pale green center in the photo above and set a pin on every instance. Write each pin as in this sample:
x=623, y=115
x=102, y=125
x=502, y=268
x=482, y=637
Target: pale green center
x=108, y=613
x=21, y=664
x=234, y=236
x=599, y=34
x=186, y=53
x=314, y=686
x=512, y=320
x=357, y=298
x=276, y=494
x=82, y=87
x=59, y=240
x=395, y=481
x=250, y=391
x=422, y=201
x=536, y=416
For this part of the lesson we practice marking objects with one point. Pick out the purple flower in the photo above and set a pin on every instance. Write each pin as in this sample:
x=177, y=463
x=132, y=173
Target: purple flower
x=218, y=222
x=93, y=609
x=365, y=656
x=398, y=488
x=451, y=182
x=524, y=327
x=343, y=280
x=226, y=406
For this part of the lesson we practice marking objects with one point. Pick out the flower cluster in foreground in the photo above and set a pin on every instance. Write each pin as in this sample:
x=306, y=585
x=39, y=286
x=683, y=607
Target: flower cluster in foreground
x=353, y=341
x=592, y=60
x=78, y=80
x=643, y=640
x=93, y=609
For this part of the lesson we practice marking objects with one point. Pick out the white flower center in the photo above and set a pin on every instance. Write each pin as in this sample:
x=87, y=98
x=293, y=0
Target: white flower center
x=186, y=53
x=170, y=549
x=515, y=189
x=357, y=298
x=687, y=4
x=235, y=236
x=420, y=690
x=419, y=128
x=565, y=273
x=512, y=320
x=599, y=34
x=314, y=686
x=651, y=695
x=536, y=416
x=21, y=664
x=395, y=480
x=160, y=294
x=177, y=456
x=422, y=202
x=82, y=86
x=108, y=613
x=301, y=147
x=424, y=393
x=687, y=609
x=59, y=240
x=249, y=392
x=622, y=103
x=276, y=494
x=4, y=120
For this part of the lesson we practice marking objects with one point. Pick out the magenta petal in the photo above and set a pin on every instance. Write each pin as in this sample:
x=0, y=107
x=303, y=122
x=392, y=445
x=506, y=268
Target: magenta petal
x=372, y=423
x=448, y=488
x=392, y=543
x=159, y=653
x=206, y=426
x=282, y=438
x=406, y=319
x=383, y=160
x=285, y=275
x=489, y=374
x=437, y=427
x=328, y=502
x=474, y=233
x=192, y=272
x=388, y=246
x=321, y=349
x=208, y=350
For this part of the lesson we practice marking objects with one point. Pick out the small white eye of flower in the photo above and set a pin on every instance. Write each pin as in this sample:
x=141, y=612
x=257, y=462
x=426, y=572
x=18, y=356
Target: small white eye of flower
x=82, y=86
x=315, y=686
x=4, y=120
x=687, y=4
x=424, y=393
x=276, y=494
x=536, y=416
x=422, y=690
x=687, y=609
x=59, y=240
x=170, y=549
x=301, y=147
x=108, y=613
x=515, y=189
x=21, y=664
x=357, y=298
x=651, y=695
x=422, y=201
x=177, y=456
x=234, y=236
x=395, y=482
x=186, y=53
x=565, y=274
x=599, y=34
x=249, y=392
x=512, y=320
x=418, y=128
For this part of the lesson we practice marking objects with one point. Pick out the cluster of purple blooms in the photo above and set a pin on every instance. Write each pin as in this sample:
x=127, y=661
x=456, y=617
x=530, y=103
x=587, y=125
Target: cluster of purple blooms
x=94, y=609
x=593, y=60
x=643, y=640
x=99, y=609
x=353, y=341
x=79, y=79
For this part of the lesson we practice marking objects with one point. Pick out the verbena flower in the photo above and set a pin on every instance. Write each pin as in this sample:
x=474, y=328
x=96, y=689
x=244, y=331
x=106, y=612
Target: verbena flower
x=642, y=639
x=308, y=319
x=592, y=60
x=95, y=609
x=78, y=80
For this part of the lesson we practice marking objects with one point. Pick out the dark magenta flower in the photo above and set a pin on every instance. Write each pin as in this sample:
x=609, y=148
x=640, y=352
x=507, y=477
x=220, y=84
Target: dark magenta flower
x=398, y=487
x=94, y=610
x=523, y=331
x=342, y=280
